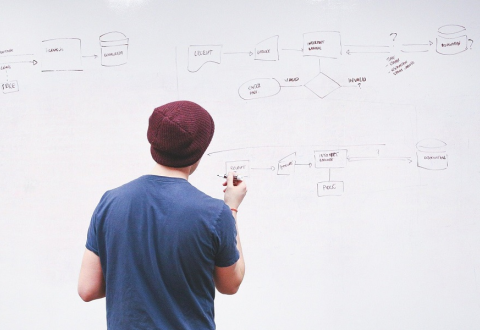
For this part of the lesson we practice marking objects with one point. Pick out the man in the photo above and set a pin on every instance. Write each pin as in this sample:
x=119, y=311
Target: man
x=157, y=247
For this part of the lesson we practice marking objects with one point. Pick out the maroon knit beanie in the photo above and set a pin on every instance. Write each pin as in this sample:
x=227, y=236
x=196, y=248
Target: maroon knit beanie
x=179, y=133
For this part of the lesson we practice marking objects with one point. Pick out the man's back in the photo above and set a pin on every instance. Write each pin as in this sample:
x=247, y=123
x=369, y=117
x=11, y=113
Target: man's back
x=157, y=247
x=159, y=240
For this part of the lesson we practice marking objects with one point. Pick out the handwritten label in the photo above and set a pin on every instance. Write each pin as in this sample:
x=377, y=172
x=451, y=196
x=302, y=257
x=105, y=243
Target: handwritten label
x=113, y=54
x=315, y=44
x=357, y=80
x=263, y=51
x=240, y=167
x=455, y=43
x=203, y=52
x=330, y=188
x=330, y=158
x=54, y=50
x=432, y=160
x=398, y=66
x=10, y=87
x=257, y=88
x=285, y=165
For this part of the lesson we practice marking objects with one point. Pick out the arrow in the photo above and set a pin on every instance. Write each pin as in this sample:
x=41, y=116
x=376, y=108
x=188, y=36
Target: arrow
x=34, y=62
x=414, y=51
x=355, y=159
x=272, y=168
x=350, y=52
x=421, y=46
x=249, y=53
x=309, y=164
x=367, y=46
x=429, y=44
x=374, y=49
x=292, y=86
x=17, y=55
x=94, y=56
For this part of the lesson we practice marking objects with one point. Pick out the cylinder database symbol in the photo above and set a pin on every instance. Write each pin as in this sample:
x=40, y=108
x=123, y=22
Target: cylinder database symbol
x=114, y=48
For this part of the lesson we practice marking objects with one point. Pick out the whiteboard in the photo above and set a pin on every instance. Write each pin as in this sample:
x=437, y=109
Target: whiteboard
x=356, y=124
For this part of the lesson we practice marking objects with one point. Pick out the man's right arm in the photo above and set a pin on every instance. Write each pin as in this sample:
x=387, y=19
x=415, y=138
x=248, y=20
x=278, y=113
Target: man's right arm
x=228, y=279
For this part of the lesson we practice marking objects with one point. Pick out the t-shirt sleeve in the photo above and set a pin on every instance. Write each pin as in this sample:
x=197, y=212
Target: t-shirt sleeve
x=226, y=234
x=91, y=243
x=92, y=239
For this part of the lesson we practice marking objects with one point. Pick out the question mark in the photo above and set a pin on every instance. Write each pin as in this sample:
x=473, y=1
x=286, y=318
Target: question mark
x=394, y=36
x=359, y=84
x=471, y=43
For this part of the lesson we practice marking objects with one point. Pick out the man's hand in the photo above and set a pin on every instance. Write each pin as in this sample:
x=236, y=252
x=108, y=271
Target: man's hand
x=235, y=191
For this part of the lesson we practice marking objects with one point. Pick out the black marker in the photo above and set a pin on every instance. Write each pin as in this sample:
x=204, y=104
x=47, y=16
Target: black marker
x=235, y=177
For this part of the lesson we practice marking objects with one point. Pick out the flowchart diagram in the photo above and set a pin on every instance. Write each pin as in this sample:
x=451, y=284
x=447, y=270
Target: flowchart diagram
x=450, y=40
x=63, y=54
x=431, y=155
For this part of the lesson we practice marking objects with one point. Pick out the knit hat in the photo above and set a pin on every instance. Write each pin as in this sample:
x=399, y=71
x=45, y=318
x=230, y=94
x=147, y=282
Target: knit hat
x=179, y=133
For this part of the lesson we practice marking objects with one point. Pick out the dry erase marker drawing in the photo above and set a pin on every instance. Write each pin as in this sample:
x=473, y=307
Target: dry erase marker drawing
x=432, y=154
x=258, y=88
x=267, y=50
x=240, y=167
x=62, y=55
x=65, y=54
x=396, y=65
x=417, y=48
x=330, y=158
x=368, y=48
x=322, y=85
x=322, y=44
x=9, y=60
x=10, y=87
x=330, y=188
x=286, y=165
x=452, y=40
x=114, y=48
x=200, y=54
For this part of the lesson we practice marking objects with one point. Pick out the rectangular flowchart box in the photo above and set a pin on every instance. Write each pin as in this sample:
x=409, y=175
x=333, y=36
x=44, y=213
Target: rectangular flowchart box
x=331, y=158
x=330, y=188
x=240, y=167
x=10, y=86
x=62, y=55
x=322, y=44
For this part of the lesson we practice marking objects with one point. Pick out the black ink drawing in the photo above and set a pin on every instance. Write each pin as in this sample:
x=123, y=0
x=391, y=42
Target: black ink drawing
x=114, y=48
x=198, y=55
x=432, y=154
x=62, y=55
x=452, y=40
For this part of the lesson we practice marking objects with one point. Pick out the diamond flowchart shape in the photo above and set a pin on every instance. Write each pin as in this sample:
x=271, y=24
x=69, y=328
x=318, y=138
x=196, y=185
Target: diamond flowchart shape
x=322, y=85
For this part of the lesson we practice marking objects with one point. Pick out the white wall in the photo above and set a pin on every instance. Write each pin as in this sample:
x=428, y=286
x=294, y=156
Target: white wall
x=397, y=248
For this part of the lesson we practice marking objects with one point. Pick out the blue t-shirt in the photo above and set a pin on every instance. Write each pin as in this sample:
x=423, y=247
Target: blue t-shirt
x=159, y=240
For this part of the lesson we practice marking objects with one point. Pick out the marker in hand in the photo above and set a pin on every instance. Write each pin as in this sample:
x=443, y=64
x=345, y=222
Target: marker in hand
x=235, y=177
x=235, y=189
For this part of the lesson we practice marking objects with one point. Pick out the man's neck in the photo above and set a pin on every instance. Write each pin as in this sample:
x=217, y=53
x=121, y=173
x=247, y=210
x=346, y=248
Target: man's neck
x=173, y=172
